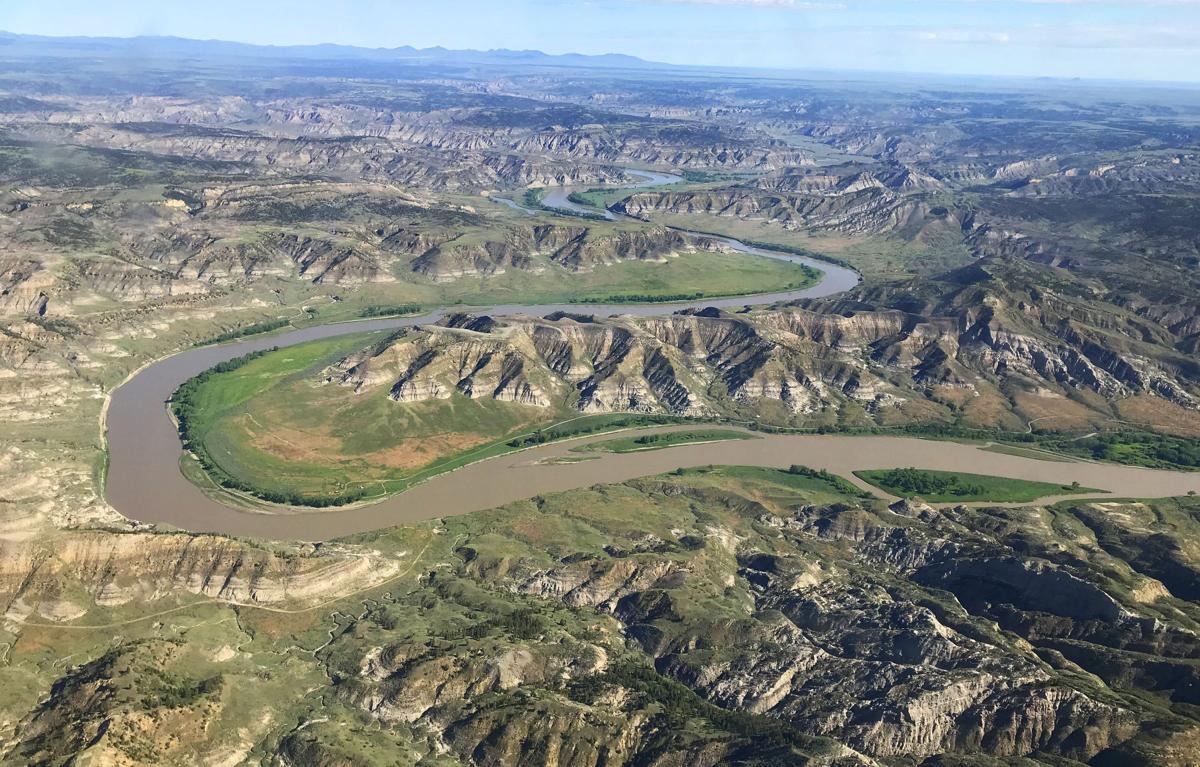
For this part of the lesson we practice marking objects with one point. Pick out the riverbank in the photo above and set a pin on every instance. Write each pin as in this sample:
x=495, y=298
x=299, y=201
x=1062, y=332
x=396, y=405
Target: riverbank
x=169, y=498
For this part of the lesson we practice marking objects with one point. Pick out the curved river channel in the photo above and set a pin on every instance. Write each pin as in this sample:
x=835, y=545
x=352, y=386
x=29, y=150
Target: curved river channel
x=145, y=483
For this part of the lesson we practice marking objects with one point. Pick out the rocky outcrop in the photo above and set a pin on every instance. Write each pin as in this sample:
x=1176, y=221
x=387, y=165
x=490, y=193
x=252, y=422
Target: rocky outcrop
x=23, y=286
x=532, y=249
x=807, y=362
x=856, y=203
x=831, y=623
x=436, y=362
x=116, y=569
x=453, y=260
x=321, y=260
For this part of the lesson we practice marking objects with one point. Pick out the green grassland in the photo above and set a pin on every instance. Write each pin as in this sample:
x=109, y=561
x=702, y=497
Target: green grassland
x=227, y=391
x=781, y=486
x=949, y=487
x=635, y=444
x=702, y=274
x=600, y=198
x=876, y=256
x=273, y=428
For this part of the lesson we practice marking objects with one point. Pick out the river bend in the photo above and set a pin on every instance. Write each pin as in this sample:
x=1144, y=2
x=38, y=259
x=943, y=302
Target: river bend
x=145, y=483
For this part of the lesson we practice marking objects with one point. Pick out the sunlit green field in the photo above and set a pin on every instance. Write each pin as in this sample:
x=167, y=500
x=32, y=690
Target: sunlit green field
x=701, y=273
x=276, y=425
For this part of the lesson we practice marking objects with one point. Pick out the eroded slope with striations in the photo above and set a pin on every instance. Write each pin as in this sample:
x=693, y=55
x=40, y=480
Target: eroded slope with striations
x=988, y=345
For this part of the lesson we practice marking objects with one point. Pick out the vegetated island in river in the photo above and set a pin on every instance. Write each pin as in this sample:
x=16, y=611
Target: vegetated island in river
x=661, y=440
x=951, y=487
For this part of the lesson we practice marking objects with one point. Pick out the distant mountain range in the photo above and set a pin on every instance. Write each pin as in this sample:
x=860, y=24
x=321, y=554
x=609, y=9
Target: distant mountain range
x=183, y=52
x=25, y=46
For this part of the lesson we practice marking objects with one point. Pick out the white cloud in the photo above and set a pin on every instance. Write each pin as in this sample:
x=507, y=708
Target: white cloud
x=962, y=35
x=792, y=4
x=1131, y=36
x=840, y=4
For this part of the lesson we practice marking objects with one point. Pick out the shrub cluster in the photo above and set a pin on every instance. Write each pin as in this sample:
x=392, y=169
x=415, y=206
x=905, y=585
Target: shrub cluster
x=653, y=439
x=680, y=703
x=533, y=197
x=390, y=311
x=839, y=483
x=581, y=199
x=919, y=482
x=640, y=298
x=1148, y=449
x=250, y=330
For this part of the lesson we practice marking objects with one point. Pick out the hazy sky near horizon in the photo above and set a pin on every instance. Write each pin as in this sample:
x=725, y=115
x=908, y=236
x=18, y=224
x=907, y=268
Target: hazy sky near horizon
x=1122, y=39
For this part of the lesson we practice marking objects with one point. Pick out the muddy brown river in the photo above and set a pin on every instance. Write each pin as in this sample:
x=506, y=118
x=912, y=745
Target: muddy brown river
x=166, y=496
x=145, y=483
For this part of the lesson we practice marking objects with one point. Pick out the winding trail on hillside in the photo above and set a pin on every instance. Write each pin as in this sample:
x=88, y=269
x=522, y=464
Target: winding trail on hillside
x=145, y=483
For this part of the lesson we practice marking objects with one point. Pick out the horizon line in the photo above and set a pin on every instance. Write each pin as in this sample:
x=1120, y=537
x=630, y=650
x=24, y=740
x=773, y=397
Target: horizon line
x=713, y=68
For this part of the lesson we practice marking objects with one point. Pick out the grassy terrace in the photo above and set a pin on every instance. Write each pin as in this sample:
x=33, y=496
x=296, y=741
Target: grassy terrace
x=691, y=276
x=266, y=425
x=875, y=256
x=645, y=442
x=208, y=407
x=270, y=426
x=950, y=487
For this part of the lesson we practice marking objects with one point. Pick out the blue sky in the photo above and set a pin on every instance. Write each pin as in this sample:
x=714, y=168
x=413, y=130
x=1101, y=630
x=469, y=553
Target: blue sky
x=1120, y=39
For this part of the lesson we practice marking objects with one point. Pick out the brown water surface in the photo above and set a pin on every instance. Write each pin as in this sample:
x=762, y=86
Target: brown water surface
x=166, y=496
